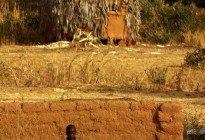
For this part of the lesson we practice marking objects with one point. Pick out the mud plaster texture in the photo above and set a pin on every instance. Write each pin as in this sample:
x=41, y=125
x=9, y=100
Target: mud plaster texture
x=94, y=119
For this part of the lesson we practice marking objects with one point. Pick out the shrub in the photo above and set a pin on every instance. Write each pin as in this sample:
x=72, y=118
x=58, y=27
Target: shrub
x=193, y=121
x=157, y=76
x=162, y=23
x=196, y=38
x=196, y=58
x=19, y=24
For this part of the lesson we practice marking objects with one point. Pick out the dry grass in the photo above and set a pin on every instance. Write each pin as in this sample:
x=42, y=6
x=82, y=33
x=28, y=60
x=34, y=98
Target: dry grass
x=193, y=121
x=109, y=67
x=194, y=38
x=92, y=68
x=157, y=76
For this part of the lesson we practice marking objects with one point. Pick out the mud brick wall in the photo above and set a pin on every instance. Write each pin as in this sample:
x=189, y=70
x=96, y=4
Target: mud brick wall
x=94, y=119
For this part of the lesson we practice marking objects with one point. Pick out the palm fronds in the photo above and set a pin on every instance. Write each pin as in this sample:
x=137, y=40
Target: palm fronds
x=69, y=15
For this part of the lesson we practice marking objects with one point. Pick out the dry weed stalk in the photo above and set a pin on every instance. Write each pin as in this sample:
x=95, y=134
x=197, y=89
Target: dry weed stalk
x=157, y=76
x=16, y=13
x=179, y=78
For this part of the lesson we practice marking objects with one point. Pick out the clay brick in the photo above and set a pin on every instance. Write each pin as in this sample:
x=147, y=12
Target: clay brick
x=49, y=137
x=49, y=117
x=117, y=105
x=107, y=116
x=35, y=107
x=77, y=116
x=164, y=117
x=124, y=116
x=177, y=137
x=88, y=105
x=13, y=107
x=49, y=129
x=86, y=127
x=19, y=118
x=167, y=136
x=148, y=105
x=136, y=136
x=135, y=105
x=170, y=107
x=152, y=128
x=63, y=106
x=179, y=117
x=8, y=118
x=31, y=118
x=97, y=128
x=2, y=107
x=161, y=136
x=95, y=119
x=125, y=128
x=98, y=136
x=117, y=128
x=144, y=117
x=129, y=137
x=112, y=127
x=139, y=127
x=172, y=128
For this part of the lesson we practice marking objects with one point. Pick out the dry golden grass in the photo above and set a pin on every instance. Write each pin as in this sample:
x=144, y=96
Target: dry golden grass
x=16, y=13
x=142, y=68
x=195, y=38
x=194, y=119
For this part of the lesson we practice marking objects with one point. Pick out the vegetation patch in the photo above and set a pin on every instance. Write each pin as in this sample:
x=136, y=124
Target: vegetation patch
x=196, y=58
x=194, y=123
x=20, y=21
x=157, y=76
x=163, y=23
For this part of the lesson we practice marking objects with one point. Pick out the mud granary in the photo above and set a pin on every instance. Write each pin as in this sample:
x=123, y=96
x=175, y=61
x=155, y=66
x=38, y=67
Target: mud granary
x=113, y=21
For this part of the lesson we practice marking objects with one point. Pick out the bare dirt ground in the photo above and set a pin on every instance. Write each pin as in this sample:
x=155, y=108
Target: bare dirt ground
x=28, y=64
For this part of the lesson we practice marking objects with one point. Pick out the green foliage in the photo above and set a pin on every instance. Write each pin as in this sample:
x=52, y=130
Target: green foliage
x=162, y=22
x=19, y=24
x=196, y=58
x=32, y=21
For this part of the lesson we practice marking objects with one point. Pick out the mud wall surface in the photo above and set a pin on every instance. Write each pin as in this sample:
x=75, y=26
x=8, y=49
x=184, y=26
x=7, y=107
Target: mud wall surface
x=94, y=119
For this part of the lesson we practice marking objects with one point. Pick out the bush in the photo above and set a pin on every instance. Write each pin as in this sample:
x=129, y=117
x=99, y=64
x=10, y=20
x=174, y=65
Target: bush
x=157, y=76
x=19, y=24
x=196, y=58
x=162, y=22
x=196, y=38
x=193, y=121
